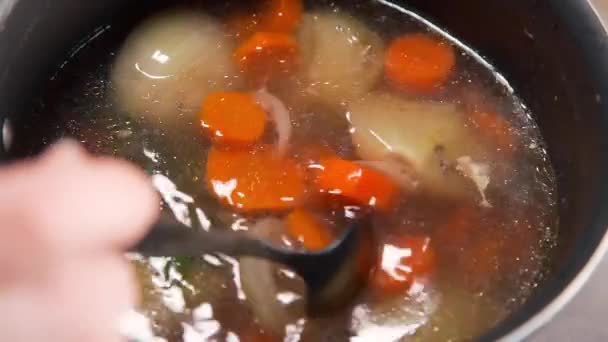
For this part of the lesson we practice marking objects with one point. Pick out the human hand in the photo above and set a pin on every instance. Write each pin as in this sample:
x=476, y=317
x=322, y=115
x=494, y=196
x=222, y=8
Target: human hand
x=65, y=219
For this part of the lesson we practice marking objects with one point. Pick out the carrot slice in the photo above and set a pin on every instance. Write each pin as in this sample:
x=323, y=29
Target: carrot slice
x=458, y=230
x=278, y=16
x=419, y=62
x=402, y=260
x=255, y=180
x=304, y=227
x=266, y=56
x=233, y=118
x=495, y=127
x=356, y=183
x=281, y=15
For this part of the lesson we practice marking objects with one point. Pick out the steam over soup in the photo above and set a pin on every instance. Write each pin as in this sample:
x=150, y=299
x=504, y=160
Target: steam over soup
x=288, y=120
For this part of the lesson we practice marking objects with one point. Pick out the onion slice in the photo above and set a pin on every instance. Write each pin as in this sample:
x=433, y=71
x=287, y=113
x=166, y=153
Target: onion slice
x=260, y=285
x=279, y=114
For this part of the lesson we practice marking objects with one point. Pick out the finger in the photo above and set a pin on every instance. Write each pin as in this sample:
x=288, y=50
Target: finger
x=75, y=201
x=78, y=301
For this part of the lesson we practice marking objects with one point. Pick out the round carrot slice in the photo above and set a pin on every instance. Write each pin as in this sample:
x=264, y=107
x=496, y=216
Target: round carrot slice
x=281, y=15
x=233, y=118
x=419, y=62
x=255, y=180
x=266, y=56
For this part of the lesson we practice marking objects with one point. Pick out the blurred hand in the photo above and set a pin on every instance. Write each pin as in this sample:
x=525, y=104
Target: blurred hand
x=65, y=219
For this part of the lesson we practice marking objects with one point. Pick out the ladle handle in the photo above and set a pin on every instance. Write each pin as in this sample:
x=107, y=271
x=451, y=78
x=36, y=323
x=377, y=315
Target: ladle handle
x=171, y=238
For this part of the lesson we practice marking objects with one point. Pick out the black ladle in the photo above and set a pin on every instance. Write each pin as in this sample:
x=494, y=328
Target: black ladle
x=332, y=276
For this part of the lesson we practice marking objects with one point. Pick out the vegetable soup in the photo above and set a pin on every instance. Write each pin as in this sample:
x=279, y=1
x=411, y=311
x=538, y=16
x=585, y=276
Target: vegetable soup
x=287, y=120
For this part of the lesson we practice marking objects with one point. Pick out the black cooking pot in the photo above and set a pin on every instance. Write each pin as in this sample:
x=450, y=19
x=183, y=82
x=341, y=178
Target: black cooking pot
x=554, y=53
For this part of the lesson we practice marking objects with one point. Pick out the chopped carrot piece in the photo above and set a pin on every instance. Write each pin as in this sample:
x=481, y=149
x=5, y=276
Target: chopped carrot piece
x=495, y=127
x=281, y=15
x=242, y=26
x=402, y=260
x=474, y=249
x=465, y=246
x=266, y=56
x=419, y=62
x=461, y=225
x=356, y=183
x=233, y=118
x=304, y=227
x=278, y=16
x=255, y=180
x=310, y=156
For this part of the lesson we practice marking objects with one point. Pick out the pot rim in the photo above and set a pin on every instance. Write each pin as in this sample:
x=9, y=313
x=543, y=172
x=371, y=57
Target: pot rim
x=549, y=311
x=555, y=306
x=546, y=315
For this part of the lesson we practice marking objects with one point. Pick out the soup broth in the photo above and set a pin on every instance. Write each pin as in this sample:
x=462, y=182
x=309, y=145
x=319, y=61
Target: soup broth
x=462, y=197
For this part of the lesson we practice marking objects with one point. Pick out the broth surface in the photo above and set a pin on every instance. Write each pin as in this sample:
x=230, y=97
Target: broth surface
x=489, y=259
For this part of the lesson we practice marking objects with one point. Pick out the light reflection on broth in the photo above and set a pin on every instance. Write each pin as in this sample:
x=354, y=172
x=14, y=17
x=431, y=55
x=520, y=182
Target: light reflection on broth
x=473, y=263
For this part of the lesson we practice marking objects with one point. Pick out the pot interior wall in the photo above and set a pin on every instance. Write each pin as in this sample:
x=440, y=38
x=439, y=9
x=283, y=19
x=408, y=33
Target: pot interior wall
x=552, y=52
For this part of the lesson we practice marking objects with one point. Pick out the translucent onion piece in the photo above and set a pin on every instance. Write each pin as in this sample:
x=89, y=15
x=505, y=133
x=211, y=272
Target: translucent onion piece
x=427, y=136
x=259, y=282
x=169, y=64
x=342, y=57
x=279, y=114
